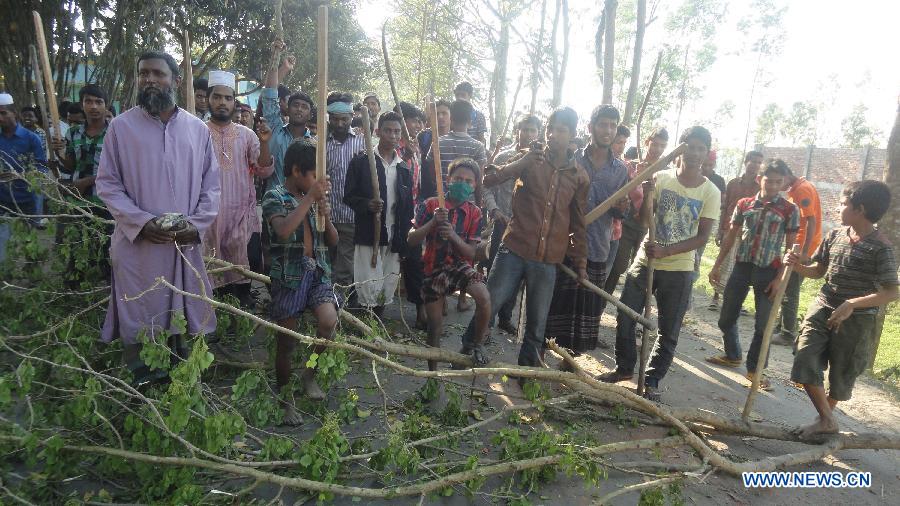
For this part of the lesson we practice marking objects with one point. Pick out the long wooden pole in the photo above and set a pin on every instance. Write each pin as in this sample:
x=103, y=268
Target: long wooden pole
x=637, y=126
x=187, y=83
x=39, y=85
x=643, y=320
x=321, y=127
x=390, y=74
x=648, y=298
x=644, y=175
x=376, y=189
x=767, y=336
x=436, y=152
x=48, y=75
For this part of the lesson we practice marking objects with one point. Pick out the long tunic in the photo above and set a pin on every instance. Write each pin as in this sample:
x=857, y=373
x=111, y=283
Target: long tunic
x=149, y=168
x=237, y=150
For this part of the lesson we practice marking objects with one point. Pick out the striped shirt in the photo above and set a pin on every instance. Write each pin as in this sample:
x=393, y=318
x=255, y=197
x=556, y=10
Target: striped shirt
x=855, y=268
x=455, y=145
x=337, y=161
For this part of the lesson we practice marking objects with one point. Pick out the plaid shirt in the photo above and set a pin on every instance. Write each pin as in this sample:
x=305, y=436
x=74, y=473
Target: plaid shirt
x=466, y=221
x=287, y=257
x=85, y=150
x=765, y=225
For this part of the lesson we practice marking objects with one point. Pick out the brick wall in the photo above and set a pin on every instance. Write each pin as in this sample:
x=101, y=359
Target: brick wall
x=830, y=169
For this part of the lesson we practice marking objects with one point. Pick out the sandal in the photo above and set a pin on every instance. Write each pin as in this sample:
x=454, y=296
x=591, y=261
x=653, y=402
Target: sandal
x=651, y=393
x=764, y=383
x=724, y=360
x=614, y=377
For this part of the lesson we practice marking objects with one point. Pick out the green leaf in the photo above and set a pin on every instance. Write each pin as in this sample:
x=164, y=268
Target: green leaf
x=305, y=460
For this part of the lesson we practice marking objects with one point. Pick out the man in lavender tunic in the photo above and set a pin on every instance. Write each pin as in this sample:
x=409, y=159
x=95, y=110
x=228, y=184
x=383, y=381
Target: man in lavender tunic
x=157, y=159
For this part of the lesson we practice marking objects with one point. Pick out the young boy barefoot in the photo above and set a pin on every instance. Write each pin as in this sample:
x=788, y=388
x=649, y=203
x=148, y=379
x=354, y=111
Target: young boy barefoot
x=860, y=274
x=451, y=236
x=299, y=269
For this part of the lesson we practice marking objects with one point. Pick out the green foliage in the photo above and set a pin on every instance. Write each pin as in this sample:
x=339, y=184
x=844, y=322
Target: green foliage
x=661, y=496
x=319, y=456
x=858, y=131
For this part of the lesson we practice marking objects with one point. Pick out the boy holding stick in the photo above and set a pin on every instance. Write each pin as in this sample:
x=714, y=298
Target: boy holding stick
x=767, y=225
x=860, y=274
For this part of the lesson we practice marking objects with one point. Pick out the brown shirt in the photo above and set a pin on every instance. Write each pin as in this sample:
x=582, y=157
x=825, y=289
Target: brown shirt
x=735, y=190
x=548, y=209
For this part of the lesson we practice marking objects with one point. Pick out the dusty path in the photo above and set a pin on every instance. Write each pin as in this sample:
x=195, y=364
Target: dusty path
x=691, y=382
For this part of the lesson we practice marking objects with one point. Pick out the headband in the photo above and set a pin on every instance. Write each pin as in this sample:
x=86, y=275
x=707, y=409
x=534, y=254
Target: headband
x=340, y=108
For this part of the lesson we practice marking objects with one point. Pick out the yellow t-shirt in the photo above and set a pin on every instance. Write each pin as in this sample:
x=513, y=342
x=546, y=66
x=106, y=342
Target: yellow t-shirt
x=678, y=213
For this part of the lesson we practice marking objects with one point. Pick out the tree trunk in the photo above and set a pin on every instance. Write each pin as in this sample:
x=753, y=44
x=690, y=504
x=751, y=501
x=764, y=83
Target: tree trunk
x=636, y=62
x=559, y=74
x=609, y=56
x=682, y=95
x=890, y=224
x=536, y=59
x=554, y=53
x=501, y=56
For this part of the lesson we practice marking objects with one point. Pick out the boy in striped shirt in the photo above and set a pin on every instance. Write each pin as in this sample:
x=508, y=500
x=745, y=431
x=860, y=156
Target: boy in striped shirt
x=860, y=275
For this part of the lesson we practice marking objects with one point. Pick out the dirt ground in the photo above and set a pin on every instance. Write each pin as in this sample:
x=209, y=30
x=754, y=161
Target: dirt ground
x=691, y=382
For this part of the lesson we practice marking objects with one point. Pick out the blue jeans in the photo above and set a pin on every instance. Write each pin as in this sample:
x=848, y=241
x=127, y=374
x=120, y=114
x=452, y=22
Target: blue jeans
x=503, y=283
x=505, y=312
x=672, y=290
x=743, y=276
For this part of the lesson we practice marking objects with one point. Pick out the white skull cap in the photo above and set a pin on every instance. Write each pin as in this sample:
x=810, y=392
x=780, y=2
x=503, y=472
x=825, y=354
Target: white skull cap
x=221, y=78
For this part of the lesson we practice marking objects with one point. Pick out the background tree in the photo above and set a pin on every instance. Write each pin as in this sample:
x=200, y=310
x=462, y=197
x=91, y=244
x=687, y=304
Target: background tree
x=765, y=31
x=799, y=125
x=767, y=124
x=857, y=131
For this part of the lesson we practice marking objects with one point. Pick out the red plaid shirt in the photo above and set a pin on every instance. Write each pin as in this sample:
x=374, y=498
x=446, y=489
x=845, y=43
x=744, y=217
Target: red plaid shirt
x=466, y=221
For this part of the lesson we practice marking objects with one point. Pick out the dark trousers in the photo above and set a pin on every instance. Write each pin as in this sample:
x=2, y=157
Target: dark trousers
x=412, y=269
x=672, y=290
x=254, y=253
x=744, y=276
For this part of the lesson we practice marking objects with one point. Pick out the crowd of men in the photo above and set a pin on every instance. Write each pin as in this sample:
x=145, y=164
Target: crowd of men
x=240, y=185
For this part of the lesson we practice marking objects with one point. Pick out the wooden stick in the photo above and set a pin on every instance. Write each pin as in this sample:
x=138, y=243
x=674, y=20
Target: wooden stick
x=187, y=83
x=390, y=74
x=644, y=175
x=767, y=336
x=436, y=153
x=48, y=74
x=39, y=86
x=648, y=298
x=321, y=127
x=376, y=188
x=644, y=321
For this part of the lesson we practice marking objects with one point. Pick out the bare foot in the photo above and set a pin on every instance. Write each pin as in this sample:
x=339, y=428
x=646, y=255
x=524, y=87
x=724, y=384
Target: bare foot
x=291, y=416
x=313, y=390
x=821, y=426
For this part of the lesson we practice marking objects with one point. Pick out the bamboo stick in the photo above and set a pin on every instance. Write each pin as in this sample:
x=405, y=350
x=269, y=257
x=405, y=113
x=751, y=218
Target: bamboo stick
x=645, y=322
x=644, y=175
x=39, y=86
x=767, y=336
x=436, y=153
x=376, y=189
x=187, y=82
x=321, y=127
x=648, y=298
x=48, y=75
x=412, y=146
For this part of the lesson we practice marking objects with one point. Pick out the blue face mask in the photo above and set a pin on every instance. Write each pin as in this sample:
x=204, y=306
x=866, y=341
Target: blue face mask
x=460, y=191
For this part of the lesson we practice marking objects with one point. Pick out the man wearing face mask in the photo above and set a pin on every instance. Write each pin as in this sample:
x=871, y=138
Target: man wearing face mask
x=159, y=179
